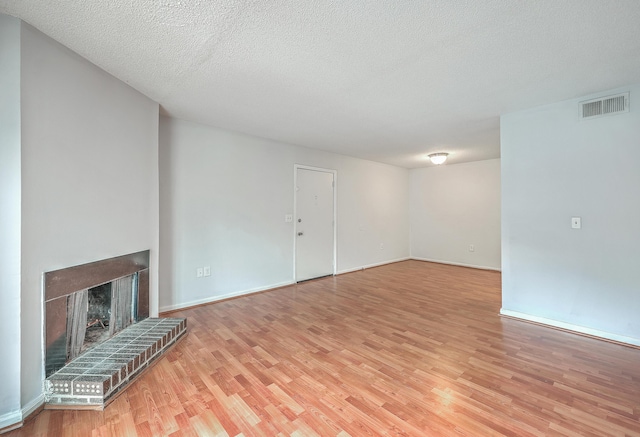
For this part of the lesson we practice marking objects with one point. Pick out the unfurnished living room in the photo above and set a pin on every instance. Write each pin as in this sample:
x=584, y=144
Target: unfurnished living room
x=319, y=218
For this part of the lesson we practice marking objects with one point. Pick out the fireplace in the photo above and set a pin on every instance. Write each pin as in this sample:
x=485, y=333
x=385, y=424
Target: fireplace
x=98, y=333
x=87, y=304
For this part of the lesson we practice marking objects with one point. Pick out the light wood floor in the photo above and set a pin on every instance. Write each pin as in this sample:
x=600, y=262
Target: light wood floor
x=409, y=349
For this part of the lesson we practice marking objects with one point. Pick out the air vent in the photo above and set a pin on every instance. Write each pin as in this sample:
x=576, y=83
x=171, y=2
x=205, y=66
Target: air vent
x=609, y=105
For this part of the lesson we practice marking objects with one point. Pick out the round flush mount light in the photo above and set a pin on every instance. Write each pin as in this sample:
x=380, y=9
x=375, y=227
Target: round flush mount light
x=438, y=158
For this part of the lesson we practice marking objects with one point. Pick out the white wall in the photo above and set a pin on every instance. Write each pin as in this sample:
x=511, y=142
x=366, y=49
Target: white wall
x=452, y=207
x=555, y=166
x=224, y=196
x=9, y=220
x=89, y=177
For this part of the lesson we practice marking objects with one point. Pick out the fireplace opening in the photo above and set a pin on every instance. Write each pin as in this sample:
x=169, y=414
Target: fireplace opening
x=98, y=315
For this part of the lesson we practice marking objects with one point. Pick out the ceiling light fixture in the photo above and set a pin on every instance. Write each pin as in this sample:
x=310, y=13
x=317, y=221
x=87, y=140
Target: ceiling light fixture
x=438, y=158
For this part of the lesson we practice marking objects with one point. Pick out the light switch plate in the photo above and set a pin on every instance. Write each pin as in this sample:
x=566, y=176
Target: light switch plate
x=199, y=272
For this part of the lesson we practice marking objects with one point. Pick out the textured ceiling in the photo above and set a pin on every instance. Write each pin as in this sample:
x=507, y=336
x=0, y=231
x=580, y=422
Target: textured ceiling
x=385, y=80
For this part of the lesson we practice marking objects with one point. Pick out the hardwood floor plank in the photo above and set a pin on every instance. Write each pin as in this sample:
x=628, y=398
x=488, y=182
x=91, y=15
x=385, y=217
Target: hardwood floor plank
x=406, y=349
x=207, y=424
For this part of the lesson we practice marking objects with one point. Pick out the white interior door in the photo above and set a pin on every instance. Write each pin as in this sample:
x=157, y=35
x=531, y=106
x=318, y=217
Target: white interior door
x=314, y=223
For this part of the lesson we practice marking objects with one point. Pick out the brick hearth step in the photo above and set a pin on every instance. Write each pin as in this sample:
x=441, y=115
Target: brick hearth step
x=91, y=380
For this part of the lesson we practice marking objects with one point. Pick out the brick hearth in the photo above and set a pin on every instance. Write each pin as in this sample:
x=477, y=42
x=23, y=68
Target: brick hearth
x=91, y=380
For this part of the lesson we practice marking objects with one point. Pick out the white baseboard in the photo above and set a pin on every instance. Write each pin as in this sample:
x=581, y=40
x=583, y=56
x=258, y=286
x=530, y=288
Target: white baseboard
x=571, y=327
x=193, y=303
x=14, y=420
x=473, y=266
x=33, y=405
x=10, y=421
x=369, y=266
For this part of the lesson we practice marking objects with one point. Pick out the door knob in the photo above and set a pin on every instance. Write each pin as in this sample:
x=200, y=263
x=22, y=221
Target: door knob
x=300, y=234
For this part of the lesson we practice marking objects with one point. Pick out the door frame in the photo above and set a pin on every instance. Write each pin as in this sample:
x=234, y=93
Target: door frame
x=295, y=213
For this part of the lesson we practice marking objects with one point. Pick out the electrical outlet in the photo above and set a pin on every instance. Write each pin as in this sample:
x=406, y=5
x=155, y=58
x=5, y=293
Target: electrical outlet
x=207, y=270
x=472, y=248
x=199, y=272
x=288, y=218
x=576, y=223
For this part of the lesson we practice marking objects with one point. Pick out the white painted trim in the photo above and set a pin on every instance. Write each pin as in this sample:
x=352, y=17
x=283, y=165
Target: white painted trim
x=43, y=345
x=14, y=420
x=456, y=264
x=266, y=288
x=33, y=405
x=571, y=327
x=10, y=421
x=369, y=266
x=222, y=297
x=335, y=212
